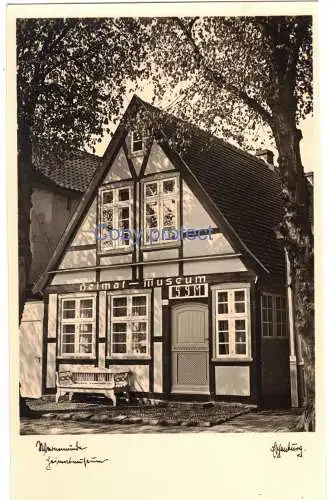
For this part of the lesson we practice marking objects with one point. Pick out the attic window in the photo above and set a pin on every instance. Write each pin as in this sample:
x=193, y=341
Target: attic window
x=137, y=142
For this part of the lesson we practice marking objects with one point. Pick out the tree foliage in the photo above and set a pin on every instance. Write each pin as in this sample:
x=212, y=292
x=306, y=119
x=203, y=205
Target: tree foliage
x=71, y=76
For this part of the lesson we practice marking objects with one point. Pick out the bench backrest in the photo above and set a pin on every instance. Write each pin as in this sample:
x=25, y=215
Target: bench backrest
x=118, y=379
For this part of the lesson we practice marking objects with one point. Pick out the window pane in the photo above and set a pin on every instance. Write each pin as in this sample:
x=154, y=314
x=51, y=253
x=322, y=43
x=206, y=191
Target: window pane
x=85, y=348
x=107, y=197
x=151, y=215
x=68, y=328
x=223, y=325
x=119, y=348
x=137, y=143
x=240, y=336
x=240, y=324
x=240, y=348
x=222, y=303
x=68, y=339
x=169, y=186
x=223, y=337
x=123, y=218
x=119, y=306
x=223, y=349
x=169, y=213
x=124, y=194
x=139, y=306
x=68, y=309
x=68, y=348
x=85, y=338
x=151, y=189
x=239, y=296
x=267, y=329
x=119, y=338
x=239, y=307
x=86, y=308
x=86, y=328
x=222, y=308
x=119, y=327
x=107, y=220
x=139, y=338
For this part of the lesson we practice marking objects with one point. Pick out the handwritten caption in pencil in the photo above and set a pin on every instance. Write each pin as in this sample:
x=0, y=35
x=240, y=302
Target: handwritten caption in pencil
x=72, y=454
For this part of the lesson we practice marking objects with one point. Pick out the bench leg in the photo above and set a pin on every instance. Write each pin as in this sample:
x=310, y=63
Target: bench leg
x=70, y=395
x=111, y=395
x=58, y=394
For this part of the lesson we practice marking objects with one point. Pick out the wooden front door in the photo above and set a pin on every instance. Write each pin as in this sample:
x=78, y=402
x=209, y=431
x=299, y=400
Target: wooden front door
x=189, y=348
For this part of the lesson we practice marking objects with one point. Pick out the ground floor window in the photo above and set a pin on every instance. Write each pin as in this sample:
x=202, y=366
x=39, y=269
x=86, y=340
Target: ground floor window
x=232, y=322
x=77, y=325
x=129, y=326
x=274, y=315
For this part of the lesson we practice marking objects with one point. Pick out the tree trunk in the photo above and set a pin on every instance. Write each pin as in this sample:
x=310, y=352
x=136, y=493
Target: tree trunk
x=24, y=208
x=296, y=230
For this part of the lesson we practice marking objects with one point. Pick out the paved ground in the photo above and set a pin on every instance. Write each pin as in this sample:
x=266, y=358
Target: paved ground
x=84, y=418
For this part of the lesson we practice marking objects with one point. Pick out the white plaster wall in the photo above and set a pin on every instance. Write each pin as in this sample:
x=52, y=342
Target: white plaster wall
x=158, y=368
x=137, y=162
x=194, y=214
x=171, y=253
x=158, y=161
x=52, y=316
x=86, y=233
x=217, y=245
x=158, y=326
x=214, y=266
x=232, y=380
x=119, y=169
x=122, y=273
x=116, y=259
x=101, y=356
x=31, y=349
x=51, y=366
x=160, y=270
x=74, y=277
x=78, y=258
x=102, y=314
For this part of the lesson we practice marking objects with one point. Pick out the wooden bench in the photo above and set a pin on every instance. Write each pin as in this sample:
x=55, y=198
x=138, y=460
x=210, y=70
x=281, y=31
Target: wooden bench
x=99, y=382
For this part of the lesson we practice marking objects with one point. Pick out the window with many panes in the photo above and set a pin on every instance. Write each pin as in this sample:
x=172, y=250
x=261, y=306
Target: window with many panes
x=115, y=218
x=232, y=323
x=77, y=326
x=160, y=212
x=274, y=315
x=129, y=326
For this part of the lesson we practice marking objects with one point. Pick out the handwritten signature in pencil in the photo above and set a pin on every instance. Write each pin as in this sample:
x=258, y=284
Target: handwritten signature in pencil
x=279, y=449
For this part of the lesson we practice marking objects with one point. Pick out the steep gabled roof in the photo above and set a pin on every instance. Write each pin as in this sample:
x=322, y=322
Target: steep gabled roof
x=74, y=172
x=245, y=191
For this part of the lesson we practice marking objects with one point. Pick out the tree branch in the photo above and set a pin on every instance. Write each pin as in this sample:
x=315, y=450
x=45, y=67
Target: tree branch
x=219, y=80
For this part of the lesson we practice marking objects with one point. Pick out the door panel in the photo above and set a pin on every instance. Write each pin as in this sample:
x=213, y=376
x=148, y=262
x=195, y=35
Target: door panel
x=190, y=348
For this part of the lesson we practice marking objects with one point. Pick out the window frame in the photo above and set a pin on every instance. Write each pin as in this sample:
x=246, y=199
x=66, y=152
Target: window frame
x=160, y=178
x=77, y=321
x=128, y=320
x=232, y=316
x=118, y=246
x=133, y=140
x=274, y=335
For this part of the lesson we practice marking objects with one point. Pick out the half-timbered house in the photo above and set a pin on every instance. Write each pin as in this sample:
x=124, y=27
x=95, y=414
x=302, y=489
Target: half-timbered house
x=170, y=268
